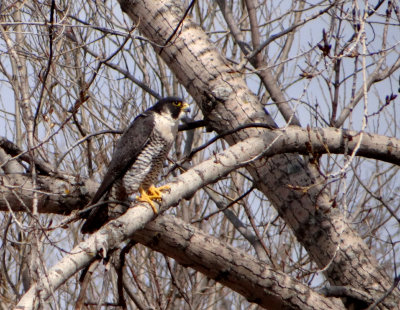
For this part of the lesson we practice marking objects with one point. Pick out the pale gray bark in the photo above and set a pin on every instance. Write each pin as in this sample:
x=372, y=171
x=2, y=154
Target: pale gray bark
x=234, y=268
x=114, y=233
x=226, y=102
x=297, y=187
x=54, y=195
x=61, y=196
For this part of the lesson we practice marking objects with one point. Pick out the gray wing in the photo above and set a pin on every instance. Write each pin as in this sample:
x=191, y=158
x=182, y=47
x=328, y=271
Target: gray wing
x=126, y=151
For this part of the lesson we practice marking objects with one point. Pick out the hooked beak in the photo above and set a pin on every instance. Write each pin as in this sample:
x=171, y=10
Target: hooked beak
x=185, y=107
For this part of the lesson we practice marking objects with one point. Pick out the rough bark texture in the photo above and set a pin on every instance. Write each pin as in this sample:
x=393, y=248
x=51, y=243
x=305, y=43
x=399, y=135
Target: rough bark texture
x=115, y=232
x=61, y=196
x=119, y=230
x=55, y=195
x=230, y=266
x=296, y=191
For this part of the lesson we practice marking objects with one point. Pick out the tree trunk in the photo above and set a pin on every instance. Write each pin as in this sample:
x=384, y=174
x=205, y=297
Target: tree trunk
x=293, y=186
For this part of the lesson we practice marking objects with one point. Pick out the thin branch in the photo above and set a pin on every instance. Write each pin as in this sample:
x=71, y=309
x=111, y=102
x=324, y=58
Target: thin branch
x=178, y=26
x=286, y=31
x=387, y=293
x=80, y=141
x=49, y=61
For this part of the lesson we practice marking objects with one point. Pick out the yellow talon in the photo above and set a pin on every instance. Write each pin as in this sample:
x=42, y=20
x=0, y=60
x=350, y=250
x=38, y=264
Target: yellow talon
x=144, y=197
x=155, y=192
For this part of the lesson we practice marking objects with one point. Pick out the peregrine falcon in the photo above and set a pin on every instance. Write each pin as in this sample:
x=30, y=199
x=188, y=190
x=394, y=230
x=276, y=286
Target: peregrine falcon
x=138, y=159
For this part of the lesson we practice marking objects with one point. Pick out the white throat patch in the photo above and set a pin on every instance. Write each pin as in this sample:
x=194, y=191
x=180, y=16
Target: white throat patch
x=166, y=126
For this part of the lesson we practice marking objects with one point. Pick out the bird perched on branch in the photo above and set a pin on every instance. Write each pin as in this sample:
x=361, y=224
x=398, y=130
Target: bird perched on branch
x=138, y=159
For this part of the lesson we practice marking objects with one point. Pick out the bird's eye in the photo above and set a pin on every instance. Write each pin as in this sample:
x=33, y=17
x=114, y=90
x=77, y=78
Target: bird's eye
x=177, y=103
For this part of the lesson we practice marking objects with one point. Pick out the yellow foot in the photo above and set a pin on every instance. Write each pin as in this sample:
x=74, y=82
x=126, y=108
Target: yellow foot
x=144, y=197
x=155, y=192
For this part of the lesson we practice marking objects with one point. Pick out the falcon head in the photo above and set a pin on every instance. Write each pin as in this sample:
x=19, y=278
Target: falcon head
x=173, y=106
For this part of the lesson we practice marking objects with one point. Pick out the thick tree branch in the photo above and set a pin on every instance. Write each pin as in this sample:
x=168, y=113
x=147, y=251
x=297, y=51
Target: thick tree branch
x=13, y=150
x=230, y=266
x=54, y=195
x=296, y=190
x=184, y=186
x=112, y=234
x=61, y=197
